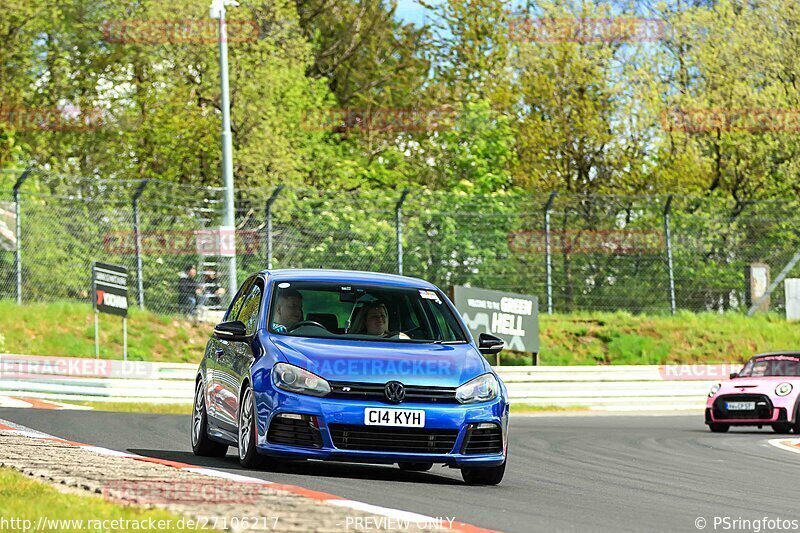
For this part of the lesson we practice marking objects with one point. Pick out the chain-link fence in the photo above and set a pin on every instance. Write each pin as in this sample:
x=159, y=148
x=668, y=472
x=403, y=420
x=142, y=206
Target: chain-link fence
x=634, y=253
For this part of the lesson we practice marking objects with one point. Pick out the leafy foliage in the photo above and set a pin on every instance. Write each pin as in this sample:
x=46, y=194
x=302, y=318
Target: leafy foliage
x=509, y=116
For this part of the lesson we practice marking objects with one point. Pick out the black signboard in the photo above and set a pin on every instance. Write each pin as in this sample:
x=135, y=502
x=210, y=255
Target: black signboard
x=110, y=289
x=512, y=317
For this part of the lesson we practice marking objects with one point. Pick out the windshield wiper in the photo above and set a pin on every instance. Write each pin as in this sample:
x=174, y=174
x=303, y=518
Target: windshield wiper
x=447, y=342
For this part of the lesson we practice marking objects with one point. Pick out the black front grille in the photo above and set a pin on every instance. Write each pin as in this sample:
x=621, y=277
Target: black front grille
x=483, y=440
x=294, y=432
x=375, y=392
x=763, y=407
x=393, y=439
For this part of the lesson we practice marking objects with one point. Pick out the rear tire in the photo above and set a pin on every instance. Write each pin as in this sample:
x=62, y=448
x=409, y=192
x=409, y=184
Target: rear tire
x=716, y=427
x=248, y=454
x=783, y=429
x=491, y=475
x=202, y=445
x=415, y=467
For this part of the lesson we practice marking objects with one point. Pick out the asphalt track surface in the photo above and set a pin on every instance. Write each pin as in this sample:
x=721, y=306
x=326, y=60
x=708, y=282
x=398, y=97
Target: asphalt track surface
x=565, y=473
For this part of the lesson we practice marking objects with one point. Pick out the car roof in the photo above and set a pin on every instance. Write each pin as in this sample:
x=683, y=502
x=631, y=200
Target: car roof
x=769, y=354
x=346, y=276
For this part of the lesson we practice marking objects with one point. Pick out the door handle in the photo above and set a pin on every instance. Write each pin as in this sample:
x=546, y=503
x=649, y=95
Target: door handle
x=218, y=352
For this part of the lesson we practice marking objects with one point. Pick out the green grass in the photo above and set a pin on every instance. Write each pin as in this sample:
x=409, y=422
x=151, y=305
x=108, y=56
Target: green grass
x=623, y=338
x=23, y=498
x=125, y=407
x=67, y=329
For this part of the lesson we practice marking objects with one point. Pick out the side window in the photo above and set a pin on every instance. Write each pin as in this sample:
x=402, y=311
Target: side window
x=446, y=330
x=251, y=305
x=236, y=305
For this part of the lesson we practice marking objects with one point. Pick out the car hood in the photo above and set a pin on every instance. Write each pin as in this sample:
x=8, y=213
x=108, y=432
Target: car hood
x=762, y=385
x=442, y=365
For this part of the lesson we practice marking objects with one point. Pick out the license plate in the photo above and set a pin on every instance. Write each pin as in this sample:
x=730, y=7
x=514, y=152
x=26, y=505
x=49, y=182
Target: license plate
x=394, y=417
x=740, y=406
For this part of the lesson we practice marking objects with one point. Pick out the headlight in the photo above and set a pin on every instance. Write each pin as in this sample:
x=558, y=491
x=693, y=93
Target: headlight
x=295, y=379
x=481, y=389
x=783, y=389
x=714, y=390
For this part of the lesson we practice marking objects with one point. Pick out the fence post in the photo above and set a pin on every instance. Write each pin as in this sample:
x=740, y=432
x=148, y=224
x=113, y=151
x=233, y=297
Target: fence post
x=18, y=233
x=137, y=237
x=548, y=254
x=268, y=215
x=668, y=237
x=399, y=230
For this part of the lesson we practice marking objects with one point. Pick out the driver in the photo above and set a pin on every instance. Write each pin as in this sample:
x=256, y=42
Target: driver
x=288, y=310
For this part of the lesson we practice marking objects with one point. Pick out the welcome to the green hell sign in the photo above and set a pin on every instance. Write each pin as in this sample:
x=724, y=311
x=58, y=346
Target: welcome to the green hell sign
x=512, y=317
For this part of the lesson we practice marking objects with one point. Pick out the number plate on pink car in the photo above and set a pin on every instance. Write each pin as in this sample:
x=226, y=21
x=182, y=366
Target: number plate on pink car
x=740, y=406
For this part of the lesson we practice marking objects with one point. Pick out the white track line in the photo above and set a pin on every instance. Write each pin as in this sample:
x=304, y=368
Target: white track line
x=8, y=401
x=27, y=402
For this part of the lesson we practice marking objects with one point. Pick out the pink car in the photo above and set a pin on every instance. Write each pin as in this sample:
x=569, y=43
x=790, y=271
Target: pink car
x=764, y=393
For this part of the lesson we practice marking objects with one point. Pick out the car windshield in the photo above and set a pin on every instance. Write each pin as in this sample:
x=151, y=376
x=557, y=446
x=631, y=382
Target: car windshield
x=361, y=312
x=773, y=365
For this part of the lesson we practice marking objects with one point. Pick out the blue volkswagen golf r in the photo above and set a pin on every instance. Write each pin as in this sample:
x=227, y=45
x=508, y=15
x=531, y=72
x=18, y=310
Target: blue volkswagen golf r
x=350, y=366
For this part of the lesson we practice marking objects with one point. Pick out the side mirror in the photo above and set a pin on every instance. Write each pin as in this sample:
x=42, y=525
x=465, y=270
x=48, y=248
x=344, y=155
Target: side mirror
x=230, y=330
x=489, y=344
x=734, y=375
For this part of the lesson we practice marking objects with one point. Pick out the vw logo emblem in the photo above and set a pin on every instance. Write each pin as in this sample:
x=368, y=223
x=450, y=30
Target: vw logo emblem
x=395, y=392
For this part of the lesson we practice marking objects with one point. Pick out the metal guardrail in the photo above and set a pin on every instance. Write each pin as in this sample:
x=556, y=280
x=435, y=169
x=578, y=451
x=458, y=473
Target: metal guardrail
x=629, y=387
x=639, y=388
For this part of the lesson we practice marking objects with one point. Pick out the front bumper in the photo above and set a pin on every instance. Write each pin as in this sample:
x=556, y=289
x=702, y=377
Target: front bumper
x=777, y=415
x=339, y=413
x=768, y=410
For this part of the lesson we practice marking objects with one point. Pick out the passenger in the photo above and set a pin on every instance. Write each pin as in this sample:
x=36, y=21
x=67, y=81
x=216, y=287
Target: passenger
x=288, y=310
x=374, y=320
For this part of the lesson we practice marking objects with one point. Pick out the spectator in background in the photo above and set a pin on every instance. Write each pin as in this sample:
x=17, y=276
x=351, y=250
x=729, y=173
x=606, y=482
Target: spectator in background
x=190, y=294
x=214, y=291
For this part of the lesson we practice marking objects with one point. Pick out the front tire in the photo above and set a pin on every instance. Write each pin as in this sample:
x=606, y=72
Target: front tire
x=202, y=445
x=248, y=455
x=491, y=475
x=716, y=427
x=796, y=424
x=782, y=429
